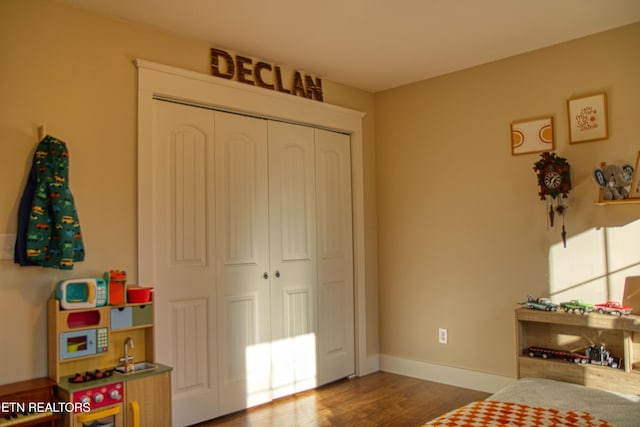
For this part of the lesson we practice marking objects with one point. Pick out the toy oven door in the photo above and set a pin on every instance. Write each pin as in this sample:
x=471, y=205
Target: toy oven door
x=108, y=416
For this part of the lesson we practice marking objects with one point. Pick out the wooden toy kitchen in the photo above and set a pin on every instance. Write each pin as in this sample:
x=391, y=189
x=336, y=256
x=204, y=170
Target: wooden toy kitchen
x=100, y=334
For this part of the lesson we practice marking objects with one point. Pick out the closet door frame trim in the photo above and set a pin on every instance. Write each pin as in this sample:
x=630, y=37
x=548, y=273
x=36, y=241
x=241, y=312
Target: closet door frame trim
x=170, y=83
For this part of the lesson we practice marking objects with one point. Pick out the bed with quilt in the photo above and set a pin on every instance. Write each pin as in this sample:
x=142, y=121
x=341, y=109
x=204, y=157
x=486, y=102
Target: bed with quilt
x=537, y=402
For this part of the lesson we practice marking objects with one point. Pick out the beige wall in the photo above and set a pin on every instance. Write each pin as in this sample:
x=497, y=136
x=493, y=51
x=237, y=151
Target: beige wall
x=462, y=234
x=73, y=71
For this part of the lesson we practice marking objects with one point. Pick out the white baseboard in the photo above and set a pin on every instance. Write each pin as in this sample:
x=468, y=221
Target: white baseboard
x=458, y=377
x=370, y=365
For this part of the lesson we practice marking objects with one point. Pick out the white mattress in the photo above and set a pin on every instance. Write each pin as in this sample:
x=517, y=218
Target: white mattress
x=620, y=410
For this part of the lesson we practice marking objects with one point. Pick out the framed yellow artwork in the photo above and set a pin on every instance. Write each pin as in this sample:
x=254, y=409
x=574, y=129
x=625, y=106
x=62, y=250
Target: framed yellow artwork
x=532, y=136
x=588, y=118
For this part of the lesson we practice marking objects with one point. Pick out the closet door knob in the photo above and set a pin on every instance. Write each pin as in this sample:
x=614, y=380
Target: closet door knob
x=277, y=274
x=265, y=276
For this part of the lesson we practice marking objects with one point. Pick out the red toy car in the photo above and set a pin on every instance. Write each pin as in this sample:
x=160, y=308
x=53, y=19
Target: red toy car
x=612, y=307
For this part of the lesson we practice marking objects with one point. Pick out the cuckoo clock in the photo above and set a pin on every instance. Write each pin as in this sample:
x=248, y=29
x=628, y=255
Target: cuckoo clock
x=554, y=180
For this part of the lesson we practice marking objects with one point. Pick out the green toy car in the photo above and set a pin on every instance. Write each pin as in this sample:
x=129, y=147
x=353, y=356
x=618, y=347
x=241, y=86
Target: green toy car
x=576, y=305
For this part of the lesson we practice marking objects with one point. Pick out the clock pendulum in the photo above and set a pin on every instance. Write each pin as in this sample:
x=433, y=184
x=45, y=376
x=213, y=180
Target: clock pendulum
x=554, y=179
x=560, y=209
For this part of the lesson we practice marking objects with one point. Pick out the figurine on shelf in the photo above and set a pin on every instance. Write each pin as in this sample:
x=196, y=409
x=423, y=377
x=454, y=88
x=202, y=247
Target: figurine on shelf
x=596, y=355
x=599, y=355
x=540, y=304
x=613, y=180
x=613, y=307
x=550, y=353
x=576, y=305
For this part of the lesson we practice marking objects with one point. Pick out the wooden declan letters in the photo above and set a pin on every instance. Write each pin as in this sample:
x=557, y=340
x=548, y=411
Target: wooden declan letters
x=224, y=65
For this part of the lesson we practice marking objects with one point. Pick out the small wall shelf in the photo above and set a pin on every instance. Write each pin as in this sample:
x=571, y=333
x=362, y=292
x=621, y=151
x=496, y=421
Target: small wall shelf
x=617, y=202
x=601, y=201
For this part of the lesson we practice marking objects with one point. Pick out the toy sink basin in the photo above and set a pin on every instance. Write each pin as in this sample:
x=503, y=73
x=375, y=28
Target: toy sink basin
x=137, y=367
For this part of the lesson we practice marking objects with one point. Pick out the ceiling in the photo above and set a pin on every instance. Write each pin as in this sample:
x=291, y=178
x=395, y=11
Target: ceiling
x=375, y=44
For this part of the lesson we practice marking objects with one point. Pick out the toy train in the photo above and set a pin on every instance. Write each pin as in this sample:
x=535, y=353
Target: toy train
x=597, y=355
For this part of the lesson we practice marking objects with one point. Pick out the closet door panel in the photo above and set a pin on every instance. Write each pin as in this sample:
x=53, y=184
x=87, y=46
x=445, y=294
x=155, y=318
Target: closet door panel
x=291, y=174
x=183, y=259
x=336, y=345
x=293, y=257
x=242, y=260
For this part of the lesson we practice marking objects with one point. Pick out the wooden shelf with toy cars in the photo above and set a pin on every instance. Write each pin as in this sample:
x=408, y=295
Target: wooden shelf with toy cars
x=572, y=333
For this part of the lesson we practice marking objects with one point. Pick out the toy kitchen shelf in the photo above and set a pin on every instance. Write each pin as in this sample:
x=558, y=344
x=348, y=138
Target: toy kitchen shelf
x=574, y=332
x=107, y=328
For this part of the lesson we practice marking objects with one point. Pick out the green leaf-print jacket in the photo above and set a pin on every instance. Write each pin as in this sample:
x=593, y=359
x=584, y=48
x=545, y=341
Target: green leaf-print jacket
x=53, y=232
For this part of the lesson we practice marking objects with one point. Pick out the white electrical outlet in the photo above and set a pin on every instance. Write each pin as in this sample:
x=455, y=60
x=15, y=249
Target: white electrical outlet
x=7, y=243
x=443, y=336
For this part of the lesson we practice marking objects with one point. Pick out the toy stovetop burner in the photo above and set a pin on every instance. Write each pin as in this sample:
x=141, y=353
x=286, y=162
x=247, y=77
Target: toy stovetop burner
x=554, y=179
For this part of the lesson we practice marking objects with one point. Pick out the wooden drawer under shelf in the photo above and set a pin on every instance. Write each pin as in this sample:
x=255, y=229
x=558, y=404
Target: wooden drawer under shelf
x=142, y=315
x=132, y=316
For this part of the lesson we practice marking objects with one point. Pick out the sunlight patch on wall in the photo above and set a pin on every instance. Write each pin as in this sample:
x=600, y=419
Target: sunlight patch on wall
x=594, y=264
x=624, y=253
x=580, y=269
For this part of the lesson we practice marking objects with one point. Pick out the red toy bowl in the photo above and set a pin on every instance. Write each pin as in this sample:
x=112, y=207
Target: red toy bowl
x=138, y=294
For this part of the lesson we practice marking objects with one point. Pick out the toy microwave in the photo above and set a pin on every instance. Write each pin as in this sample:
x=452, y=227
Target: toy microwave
x=87, y=342
x=82, y=293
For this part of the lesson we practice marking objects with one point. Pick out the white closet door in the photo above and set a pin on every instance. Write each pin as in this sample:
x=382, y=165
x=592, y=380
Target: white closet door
x=336, y=340
x=252, y=258
x=242, y=249
x=292, y=226
x=183, y=259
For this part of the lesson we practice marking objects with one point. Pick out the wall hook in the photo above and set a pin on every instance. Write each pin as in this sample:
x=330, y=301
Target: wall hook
x=42, y=132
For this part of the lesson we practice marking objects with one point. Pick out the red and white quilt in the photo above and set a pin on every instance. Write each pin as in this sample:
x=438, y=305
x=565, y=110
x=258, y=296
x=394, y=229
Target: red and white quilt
x=488, y=413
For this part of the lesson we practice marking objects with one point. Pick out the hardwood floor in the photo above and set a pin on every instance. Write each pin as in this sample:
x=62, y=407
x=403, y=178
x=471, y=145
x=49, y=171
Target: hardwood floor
x=379, y=399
